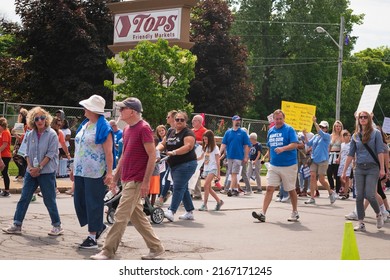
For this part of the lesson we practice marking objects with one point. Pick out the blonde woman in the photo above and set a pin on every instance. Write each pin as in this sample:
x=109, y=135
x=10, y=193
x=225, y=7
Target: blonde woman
x=334, y=153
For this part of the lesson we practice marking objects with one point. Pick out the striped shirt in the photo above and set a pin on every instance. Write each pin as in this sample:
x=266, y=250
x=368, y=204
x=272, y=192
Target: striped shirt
x=134, y=157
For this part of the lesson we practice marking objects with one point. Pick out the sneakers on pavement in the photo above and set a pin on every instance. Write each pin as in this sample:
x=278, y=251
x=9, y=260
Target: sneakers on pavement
x=219, y=205
x=229, y=193
x=360, y=227
x=187, y=216
x=285, y=199
x=100, y=232
x=332, y=197
x=5, y=194
x=56, y=231
x=100, y=256
x=310, y=201
x=278, y=199
x=13, y=229
x=203, y=208
x=379, y=221
x=294, y=217
x=169, y=215
x=154, y=255
x=259, y=191
x=88, y=243
x=260, y=216
x=352, y=216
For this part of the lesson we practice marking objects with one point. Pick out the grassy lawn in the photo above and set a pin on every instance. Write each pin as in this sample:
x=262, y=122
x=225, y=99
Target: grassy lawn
x=12, y=169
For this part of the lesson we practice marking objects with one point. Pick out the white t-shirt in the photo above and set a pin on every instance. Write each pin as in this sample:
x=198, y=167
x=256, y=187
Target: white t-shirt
x=66, y=132
x=209, y=159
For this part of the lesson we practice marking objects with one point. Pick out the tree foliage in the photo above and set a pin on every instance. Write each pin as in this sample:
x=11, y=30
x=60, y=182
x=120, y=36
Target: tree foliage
x=289, y=60
x=157, y=74
x=221, y=84
x=65, y=43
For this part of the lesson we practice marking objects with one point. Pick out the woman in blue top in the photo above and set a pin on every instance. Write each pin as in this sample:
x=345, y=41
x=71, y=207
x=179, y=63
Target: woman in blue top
x=369, y=166
x=319, y=160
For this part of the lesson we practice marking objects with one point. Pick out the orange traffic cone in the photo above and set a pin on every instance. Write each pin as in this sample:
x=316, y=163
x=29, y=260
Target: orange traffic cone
x=349, y=250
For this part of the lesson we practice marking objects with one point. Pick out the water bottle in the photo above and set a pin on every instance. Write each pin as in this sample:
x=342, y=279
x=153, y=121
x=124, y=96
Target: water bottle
x=35, y=162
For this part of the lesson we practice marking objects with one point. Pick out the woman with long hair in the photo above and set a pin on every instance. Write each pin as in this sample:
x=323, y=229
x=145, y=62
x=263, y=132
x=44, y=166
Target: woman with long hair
x=367, y=148
x=211, y=169
x=334, y=153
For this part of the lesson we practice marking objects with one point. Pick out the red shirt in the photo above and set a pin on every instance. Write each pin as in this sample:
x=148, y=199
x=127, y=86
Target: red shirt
x=199, y=133
x=6, y=137
x=134, y=157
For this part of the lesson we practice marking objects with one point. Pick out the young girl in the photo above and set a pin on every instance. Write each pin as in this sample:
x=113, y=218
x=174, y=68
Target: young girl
x=211, y=169
x=344, y=190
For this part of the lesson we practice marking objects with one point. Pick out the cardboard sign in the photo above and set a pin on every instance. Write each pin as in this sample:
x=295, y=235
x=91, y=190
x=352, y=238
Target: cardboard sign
x=368, y=98
x=386, y=125
x=299, y=115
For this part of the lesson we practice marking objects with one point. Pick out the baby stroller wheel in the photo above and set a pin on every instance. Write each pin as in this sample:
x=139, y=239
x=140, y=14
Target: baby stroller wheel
x=157, y=215
x=110, y=216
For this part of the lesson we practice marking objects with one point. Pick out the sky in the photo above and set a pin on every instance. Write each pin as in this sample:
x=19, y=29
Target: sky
x=373, y=33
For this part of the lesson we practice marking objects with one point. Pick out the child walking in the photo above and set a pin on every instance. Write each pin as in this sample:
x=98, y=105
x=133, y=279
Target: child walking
x=211, y=169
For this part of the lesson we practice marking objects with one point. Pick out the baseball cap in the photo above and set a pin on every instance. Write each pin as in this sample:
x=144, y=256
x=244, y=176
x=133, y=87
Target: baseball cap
x=236, y=118
x=132, y=103
x=324, y=124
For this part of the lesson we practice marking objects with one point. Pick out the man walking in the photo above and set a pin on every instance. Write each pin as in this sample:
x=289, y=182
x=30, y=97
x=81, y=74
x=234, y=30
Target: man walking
x=282, y=145
x=135, y=169
x=236, y=143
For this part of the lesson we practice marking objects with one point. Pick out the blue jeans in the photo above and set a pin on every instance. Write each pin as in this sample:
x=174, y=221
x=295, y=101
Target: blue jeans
x=88, y=200
x=47, y=183
x=181, y=174
x=366, y=183
x=282, y=192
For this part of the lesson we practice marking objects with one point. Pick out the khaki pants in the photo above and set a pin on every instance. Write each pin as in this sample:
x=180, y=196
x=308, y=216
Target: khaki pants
x=130, y=208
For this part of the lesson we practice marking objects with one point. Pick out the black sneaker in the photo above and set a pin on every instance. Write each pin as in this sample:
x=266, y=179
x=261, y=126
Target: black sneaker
x=88, y=243
x=259, y=216
x=229, y=193
x=235, y=193
x=5, y=194
x=100, y=232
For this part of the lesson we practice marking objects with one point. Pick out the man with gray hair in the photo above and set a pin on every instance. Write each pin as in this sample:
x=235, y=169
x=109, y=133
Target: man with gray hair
x=135, y=169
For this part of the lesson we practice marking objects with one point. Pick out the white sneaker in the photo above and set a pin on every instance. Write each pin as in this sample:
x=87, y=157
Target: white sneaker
x=169, y=215
x=379, y=221
x=187, y=216
x=278, y=199
x=285, y=199
x=310, y=201
x=352, y=216
x=360, y=227
x=294, y=217
x=332, y=197
x=385, y=215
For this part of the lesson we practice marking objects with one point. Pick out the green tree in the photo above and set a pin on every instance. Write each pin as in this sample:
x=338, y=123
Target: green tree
x=221, y=84
x=65, y=45
x=289, y=60
x=157, y=74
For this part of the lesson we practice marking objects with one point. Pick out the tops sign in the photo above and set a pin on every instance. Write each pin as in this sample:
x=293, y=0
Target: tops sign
x=134, y=27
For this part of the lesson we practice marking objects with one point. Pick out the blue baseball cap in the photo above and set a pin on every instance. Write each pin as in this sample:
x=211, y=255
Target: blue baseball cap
x=236, y=118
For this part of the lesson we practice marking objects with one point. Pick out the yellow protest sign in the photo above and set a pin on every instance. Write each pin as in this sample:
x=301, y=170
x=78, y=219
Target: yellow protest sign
x=299, y=115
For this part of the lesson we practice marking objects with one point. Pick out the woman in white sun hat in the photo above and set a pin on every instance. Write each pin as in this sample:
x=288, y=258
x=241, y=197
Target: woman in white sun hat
x=92, y=170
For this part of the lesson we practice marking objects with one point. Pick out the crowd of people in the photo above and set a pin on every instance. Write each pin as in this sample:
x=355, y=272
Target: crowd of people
x=106, y=156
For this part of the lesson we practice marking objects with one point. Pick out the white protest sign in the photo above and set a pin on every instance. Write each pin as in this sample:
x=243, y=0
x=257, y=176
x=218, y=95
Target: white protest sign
x=386, y=125
x=368, y=98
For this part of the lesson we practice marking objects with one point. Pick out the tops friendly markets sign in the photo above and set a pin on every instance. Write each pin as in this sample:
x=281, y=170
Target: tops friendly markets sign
x=149, y=25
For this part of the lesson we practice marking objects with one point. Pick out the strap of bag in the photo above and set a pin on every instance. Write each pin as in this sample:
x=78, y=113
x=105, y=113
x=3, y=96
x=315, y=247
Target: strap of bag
x=369, y=150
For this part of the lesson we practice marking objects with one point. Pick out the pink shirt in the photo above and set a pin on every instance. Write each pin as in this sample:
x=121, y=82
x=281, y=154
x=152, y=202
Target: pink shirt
x=134, y=156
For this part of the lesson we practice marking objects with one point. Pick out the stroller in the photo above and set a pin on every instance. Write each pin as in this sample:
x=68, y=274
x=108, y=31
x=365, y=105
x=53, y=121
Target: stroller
x=112, y=201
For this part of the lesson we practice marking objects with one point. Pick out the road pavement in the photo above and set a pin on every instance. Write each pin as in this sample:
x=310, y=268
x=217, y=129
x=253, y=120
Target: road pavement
x=230, y=234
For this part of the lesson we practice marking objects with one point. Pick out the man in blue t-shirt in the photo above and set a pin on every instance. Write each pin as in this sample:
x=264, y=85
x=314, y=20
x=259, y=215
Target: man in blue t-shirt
x=282, y=145
x=236, y=143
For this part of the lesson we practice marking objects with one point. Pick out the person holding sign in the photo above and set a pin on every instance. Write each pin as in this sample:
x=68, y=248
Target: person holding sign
x=319, y=160
x=282, y=141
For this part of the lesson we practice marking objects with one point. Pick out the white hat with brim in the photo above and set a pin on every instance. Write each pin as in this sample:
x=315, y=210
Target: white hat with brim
x=94, y=104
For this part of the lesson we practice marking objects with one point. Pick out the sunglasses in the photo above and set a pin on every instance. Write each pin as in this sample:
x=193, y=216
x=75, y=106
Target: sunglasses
x=180, y=120
x=363, y=117
x=42, y=118
x=322, y=126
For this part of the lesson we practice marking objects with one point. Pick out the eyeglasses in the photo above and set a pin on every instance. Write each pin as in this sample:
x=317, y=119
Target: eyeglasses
x=42, y=118
x=180, y=120
x=322, y=127
x=363, y=117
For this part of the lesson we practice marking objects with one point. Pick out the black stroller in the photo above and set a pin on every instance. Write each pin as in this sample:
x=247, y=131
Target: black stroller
x=112, y=201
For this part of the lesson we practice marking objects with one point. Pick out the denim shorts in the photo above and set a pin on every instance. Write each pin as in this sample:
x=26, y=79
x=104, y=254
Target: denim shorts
x=212, y=171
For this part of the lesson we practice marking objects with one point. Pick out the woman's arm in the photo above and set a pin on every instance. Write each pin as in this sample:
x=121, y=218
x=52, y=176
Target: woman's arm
x=107, y=147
